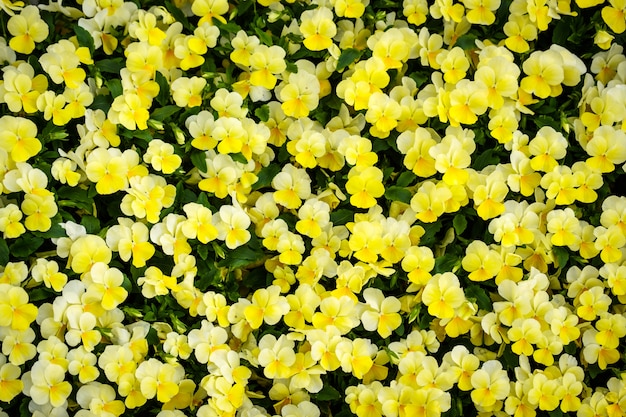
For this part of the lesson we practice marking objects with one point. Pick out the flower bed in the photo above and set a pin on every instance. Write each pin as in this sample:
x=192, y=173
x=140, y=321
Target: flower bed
x=380, y=208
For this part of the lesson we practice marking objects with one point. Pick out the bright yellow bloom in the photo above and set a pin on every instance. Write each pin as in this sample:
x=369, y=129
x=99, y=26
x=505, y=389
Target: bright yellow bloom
x=318, y=28
x=18, y=137
x=27, y=29
x=443, y=294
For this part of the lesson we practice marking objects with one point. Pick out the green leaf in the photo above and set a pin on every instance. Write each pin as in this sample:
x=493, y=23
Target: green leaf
x=111, y=65
x=445, y=263
x=466, y=42
x=164, y=92
x=91, y=223
x=394, y=193
x=347, y=57
x=341, y=217
x=178, y=14
x=485, y=159
x=263, y=113
x=479, y=294
x=240, y=257
x=328, y=393
x=39, y=294
x=265, y=37
x=265, y=176
x=4, y=252
x=198, y=159
x=84, y=38
x=163, y=113
x=459, y=222
x=101, y=102
x=115, y=87
x=405, y=179
x=238, y=157
x=25, y=246
x=74, y=197
x=561, y=256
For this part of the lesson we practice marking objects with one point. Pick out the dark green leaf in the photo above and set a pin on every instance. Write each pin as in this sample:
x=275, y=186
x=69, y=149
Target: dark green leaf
x=91, y=223
x=84, y=38
x=405, y=179
x=479, y=294
x=115, y=87
x=164, y=92
x=4, y=252
x=342, y=216
x=25, y=246
x=230, y=27
x=265, y=176
x=561, y=256
x=263, y=113
x=467, y=41
x=178, y=14
x=485, y=159
x=265, y=37
x=394, y=193
x=459, y=222
x=163, y=113
x=347, y=57
x=445, y=263
x=198, y=159
x=101, y=102
x=111, y=65
x=39, y=294
x=430, y=231
x=328, y=393
x=238, y=157
x=240, y=257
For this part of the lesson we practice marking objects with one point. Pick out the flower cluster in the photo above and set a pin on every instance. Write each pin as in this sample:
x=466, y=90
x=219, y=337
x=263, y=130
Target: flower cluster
x=305, y=208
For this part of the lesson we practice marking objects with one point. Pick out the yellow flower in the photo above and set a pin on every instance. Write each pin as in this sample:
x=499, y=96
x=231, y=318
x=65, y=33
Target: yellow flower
x=39, y=209
x=18, y=136
x=10, y=225
x=318, y=28
x=443, y=294
x=300, y=95
x=15, y=310
x=266, y=62
x=614, y=15
x=187, y=92
x=545, y=73
x=159, y=379
x=232, y=225
x=106, y=286
x=48, y=384
x=490, y=383
x=22, y=87
x=276, y=356
x=267, y=306
x=547, y=146
x=364, y=186
x=292, y=185
x=99, y=398
x=481, y=262
x=27, y=29
x=209, y=10
x=381, y=313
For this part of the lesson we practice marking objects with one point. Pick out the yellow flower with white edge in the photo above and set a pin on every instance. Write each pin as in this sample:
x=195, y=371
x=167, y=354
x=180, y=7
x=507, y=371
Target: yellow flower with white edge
x=609, y=241
x=18, y=137
x=15, y=310
x=131, y=240
x=83, y=364
x=547, y=147
x=544, y=73
x=187, y=92
x=605, y=149
x=490, y=383
x=356, y=356
x=10, y=221
x=292, y=185
x=300, y=95
x=154, y=282
x=159, y=379
x=10, y=382
x=313, y=216
x=276, y=356
x=443, y=295
x=22, y=87
x=105, y=287
x=318, y=28
x=39, y=209
x=99, y=398
x=27, y=29
x=48, y=384
x=481, y=262
x=129, y=111
x=381, y=314
x=48, y=272
x=266, y=62
x=267, y=306
x=232, y=224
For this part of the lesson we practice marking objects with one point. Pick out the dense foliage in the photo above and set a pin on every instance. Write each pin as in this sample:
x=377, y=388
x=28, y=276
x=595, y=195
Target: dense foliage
x=312, y=208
